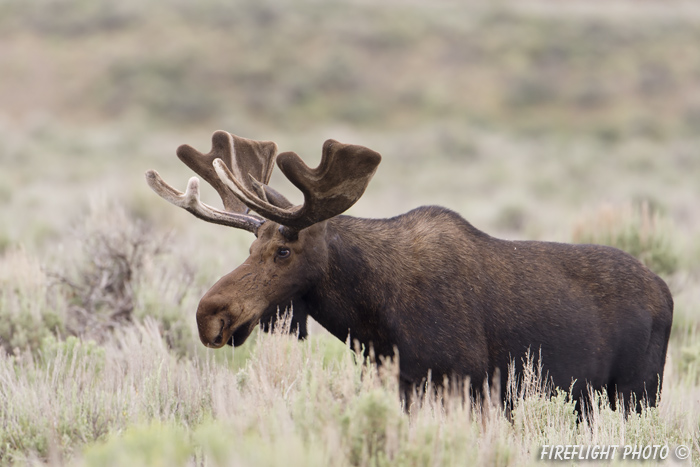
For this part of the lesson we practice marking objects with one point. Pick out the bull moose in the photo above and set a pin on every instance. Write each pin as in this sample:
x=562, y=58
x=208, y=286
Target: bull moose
x=452, y=300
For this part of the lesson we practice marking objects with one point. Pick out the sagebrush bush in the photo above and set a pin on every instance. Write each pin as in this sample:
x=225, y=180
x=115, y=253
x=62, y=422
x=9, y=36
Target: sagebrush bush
x=130, y=401
x=76, y=392
x=149, y=445
x=29, y=309
x=119, y=269
x=99, y=282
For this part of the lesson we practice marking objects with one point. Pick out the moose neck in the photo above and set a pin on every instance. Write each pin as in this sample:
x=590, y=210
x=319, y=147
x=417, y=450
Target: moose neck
x=353, y=294
x=387, y=280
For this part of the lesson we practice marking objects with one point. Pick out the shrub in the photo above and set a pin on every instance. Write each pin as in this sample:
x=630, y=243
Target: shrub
x=369, y=425
x=103, y=277
x=154, y=444
x=29, y=310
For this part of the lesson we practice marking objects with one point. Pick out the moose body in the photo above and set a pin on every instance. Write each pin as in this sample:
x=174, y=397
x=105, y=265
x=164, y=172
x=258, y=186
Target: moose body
x=451, y=299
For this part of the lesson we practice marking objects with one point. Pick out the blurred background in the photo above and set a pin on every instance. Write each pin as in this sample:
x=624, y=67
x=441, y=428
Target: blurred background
x=539, y=120
x=525, y=117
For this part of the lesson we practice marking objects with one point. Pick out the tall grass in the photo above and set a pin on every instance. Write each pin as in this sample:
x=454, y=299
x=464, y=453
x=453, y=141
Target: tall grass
x=131, y=402
x=129, y=396
x=29, y=310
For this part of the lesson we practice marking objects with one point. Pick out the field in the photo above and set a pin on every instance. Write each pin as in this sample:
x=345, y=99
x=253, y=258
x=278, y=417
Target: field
x=560, y=121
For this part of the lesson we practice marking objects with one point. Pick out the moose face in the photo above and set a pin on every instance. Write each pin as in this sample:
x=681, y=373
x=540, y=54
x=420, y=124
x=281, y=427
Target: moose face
x=290, y=252
x=277, y=271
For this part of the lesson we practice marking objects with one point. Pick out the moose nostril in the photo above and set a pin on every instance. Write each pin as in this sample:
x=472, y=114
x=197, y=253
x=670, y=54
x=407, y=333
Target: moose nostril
x=218, y=339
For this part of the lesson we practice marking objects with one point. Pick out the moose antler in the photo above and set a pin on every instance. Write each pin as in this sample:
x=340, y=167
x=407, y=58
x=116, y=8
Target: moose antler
x=190, y=201
x=336, y=184
x=242, y=156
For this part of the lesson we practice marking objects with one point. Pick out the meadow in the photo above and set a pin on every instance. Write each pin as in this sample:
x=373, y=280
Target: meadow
x=557, y=121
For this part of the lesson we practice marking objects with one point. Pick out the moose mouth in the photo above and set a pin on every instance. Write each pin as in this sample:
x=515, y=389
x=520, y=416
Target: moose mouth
x=240, y=335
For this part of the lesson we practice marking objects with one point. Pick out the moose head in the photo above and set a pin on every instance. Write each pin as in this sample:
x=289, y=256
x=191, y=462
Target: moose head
x=289, y=253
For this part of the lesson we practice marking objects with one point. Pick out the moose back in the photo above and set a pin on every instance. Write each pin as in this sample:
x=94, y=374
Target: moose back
x=451, y=299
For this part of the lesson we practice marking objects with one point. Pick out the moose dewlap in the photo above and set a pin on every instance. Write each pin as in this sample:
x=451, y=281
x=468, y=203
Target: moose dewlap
x=451, y=299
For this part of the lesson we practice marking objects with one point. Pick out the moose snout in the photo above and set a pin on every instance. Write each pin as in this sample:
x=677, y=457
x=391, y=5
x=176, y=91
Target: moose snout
x=213, y=324
x=211, y=331
x=220, y=318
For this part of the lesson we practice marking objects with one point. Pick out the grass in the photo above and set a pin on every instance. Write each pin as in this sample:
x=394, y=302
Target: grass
x=132, y=402
x=29, y=311
x=134, y=393
x=534, y=120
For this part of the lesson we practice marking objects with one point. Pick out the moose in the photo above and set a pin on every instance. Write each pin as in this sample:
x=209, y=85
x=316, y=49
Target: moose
x=453, y=301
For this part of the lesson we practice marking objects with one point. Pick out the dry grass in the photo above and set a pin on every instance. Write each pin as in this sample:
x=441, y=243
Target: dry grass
x=141, y=398
x=131, y=402
x=523, y=117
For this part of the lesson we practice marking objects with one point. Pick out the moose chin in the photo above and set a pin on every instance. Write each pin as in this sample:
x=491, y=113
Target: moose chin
x=452, y=300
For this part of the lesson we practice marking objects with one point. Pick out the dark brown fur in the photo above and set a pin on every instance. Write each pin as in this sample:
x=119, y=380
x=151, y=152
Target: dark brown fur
x=456, y=301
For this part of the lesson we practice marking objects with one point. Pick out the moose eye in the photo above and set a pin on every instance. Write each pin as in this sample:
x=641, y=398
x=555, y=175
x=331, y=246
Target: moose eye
x=283, y=253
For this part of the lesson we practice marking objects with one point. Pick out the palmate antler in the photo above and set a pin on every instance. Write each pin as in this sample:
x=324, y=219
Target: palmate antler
x=243, y=156
x=330, y=189
x=239, y=169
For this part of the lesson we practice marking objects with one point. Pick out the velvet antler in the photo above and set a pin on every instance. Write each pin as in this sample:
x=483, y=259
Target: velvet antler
x=190, y=201
x=244, y=157
x=336, y=184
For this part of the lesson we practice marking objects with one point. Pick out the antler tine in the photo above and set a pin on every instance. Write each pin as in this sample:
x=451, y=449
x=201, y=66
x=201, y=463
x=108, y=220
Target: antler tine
x=241, y=155
x=336, y=184
x=190, y=201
